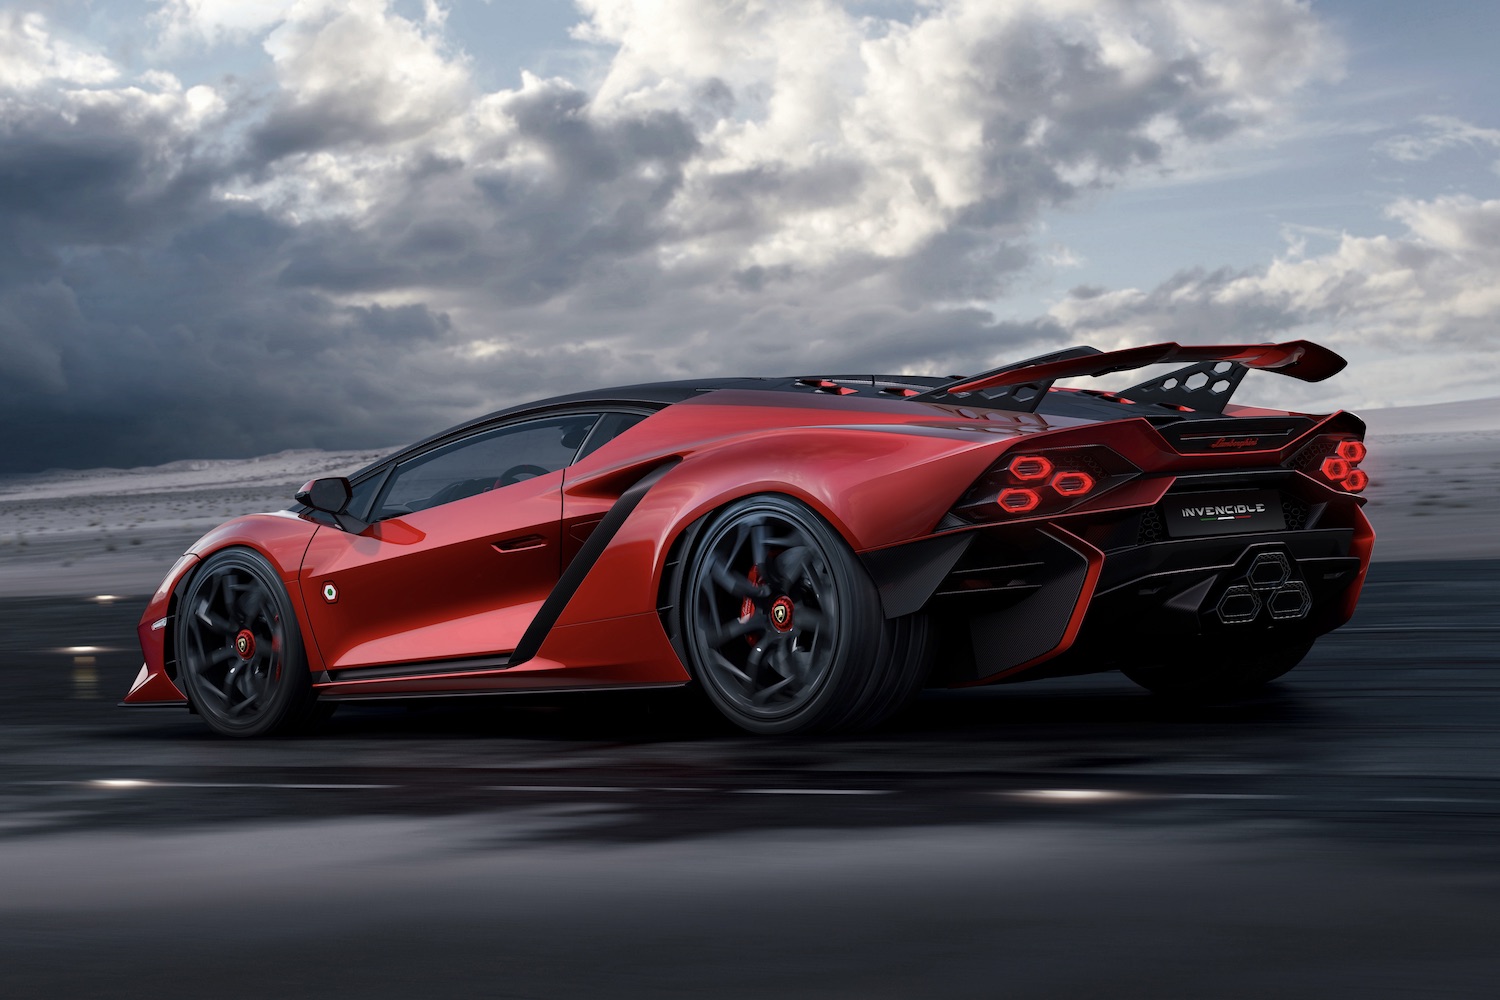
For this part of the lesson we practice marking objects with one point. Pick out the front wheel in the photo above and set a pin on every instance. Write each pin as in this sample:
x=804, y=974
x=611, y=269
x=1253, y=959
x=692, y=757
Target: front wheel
x=782, y=626
x=240, y=659
x=1208, y=674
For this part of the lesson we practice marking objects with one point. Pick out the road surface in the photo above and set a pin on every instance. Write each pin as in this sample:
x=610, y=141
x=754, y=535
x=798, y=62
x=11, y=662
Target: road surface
x=1339, y=836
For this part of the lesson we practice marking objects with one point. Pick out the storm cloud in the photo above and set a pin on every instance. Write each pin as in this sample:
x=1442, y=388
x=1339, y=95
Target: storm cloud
x=364, y=245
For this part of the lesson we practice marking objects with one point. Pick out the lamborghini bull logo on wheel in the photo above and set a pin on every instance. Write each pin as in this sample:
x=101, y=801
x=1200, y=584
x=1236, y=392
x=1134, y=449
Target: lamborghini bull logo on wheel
x=807, y=551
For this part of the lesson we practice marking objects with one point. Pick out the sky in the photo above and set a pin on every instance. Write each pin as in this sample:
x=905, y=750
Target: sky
x=233, y=228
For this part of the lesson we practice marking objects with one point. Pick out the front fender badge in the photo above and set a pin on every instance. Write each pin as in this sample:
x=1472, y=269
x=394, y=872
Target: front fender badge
x=330, y=592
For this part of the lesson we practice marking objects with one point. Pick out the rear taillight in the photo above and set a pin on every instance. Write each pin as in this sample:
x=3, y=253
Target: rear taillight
x=1073, y=484
x=1335, y=468
x=1340, y=466
x=1335, y=460
x=1039, y=483
x=1352, y=452
x=1028, y=468
x=1018, y=501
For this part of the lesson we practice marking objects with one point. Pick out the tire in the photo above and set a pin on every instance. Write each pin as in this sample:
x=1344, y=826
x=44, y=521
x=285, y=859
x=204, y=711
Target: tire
x=781, y=625
x=1217, y=674
x=240, y=657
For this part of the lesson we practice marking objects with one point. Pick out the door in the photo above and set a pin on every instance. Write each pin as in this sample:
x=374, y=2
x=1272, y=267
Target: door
x=462, y=550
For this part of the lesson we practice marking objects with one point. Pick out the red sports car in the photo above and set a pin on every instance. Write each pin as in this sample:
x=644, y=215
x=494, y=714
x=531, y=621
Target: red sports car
x=809, y=551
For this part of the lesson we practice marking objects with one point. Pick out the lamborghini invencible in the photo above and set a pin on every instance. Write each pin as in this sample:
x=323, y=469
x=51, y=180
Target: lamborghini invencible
x=808, y=551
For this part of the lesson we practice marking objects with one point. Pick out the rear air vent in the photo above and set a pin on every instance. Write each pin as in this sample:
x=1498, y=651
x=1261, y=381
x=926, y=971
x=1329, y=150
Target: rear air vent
x=827, y=385
x=1152, y=529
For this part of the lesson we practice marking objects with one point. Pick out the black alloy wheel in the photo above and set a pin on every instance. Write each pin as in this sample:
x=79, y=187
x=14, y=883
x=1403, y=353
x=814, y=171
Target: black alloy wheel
x=240, y=658
x=782, y=626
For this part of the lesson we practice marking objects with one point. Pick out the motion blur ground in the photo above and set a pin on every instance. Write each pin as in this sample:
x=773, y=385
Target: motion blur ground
x=1336, y=836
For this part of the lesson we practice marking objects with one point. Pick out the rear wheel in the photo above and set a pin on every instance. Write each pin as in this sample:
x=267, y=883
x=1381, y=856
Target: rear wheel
x=240, y=659
x=782, y=626
x=1216, y=674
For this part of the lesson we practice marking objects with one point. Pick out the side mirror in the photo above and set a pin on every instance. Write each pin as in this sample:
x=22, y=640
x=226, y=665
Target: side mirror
x=332, y=496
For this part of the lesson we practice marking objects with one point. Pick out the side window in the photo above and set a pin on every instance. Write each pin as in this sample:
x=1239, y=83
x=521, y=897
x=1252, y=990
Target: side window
x=483, y=462
x=610, y=426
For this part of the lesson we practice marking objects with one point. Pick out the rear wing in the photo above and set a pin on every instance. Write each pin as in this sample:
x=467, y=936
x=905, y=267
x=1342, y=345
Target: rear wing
x=1204, y=385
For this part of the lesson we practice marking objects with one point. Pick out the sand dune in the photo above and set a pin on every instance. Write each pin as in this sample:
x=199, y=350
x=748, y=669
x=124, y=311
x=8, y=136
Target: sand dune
x=1435, y=493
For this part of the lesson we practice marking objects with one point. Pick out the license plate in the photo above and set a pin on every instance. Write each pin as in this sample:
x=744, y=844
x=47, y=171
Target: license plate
x=1194, y=514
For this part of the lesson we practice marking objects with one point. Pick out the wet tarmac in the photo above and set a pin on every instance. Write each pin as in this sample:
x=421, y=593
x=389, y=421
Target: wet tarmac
x=1339, y=835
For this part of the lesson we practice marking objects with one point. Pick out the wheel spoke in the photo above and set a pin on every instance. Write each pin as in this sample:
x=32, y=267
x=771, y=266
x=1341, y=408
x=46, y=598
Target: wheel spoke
x=735, y=629
x=238, y=707
x=758, y=655
x=776, y=657
x=787, y=568
x=212, y=689
x=212, y=620
x=237, y=598
x=737, y=586
x=734, y=671
x=224, y=690
x=759, y=532
x=258, y=606
x=224, y=597
x=809, y=619
x=765, y=694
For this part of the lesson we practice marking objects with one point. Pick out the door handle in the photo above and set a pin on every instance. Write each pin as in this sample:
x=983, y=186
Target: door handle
x=520, y=543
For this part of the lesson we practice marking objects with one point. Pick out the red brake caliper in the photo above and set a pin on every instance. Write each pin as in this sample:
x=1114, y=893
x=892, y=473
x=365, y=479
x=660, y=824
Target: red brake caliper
x=747, y=607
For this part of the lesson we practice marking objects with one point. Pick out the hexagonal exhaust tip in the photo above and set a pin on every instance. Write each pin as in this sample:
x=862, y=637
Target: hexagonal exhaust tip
x=1292, y=601
x=1269, y=570
x=1239, y=604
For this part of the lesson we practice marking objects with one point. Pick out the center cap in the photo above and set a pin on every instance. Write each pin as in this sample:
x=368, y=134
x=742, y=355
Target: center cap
x=244, y=644
x=781, y=614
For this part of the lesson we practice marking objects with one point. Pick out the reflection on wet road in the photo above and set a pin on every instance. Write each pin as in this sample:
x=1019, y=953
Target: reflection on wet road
x=1073, y=837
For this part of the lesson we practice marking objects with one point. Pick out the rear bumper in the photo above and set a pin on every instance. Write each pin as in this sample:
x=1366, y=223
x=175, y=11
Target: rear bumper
x=1021, y=604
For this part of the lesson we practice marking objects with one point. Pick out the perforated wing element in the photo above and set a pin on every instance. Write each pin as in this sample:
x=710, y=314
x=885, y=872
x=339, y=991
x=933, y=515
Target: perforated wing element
x=1205, y=387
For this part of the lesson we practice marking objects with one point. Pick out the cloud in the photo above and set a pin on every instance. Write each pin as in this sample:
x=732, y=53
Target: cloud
x=1438, y=134
x=184, y=23
x=352, y=74
x=974, y=114
x=1419, y=307
x=364, y=245
x=30, y=57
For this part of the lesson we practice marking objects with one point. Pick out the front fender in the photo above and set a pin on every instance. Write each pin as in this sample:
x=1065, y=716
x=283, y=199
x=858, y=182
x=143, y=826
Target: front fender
x=281, y=537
